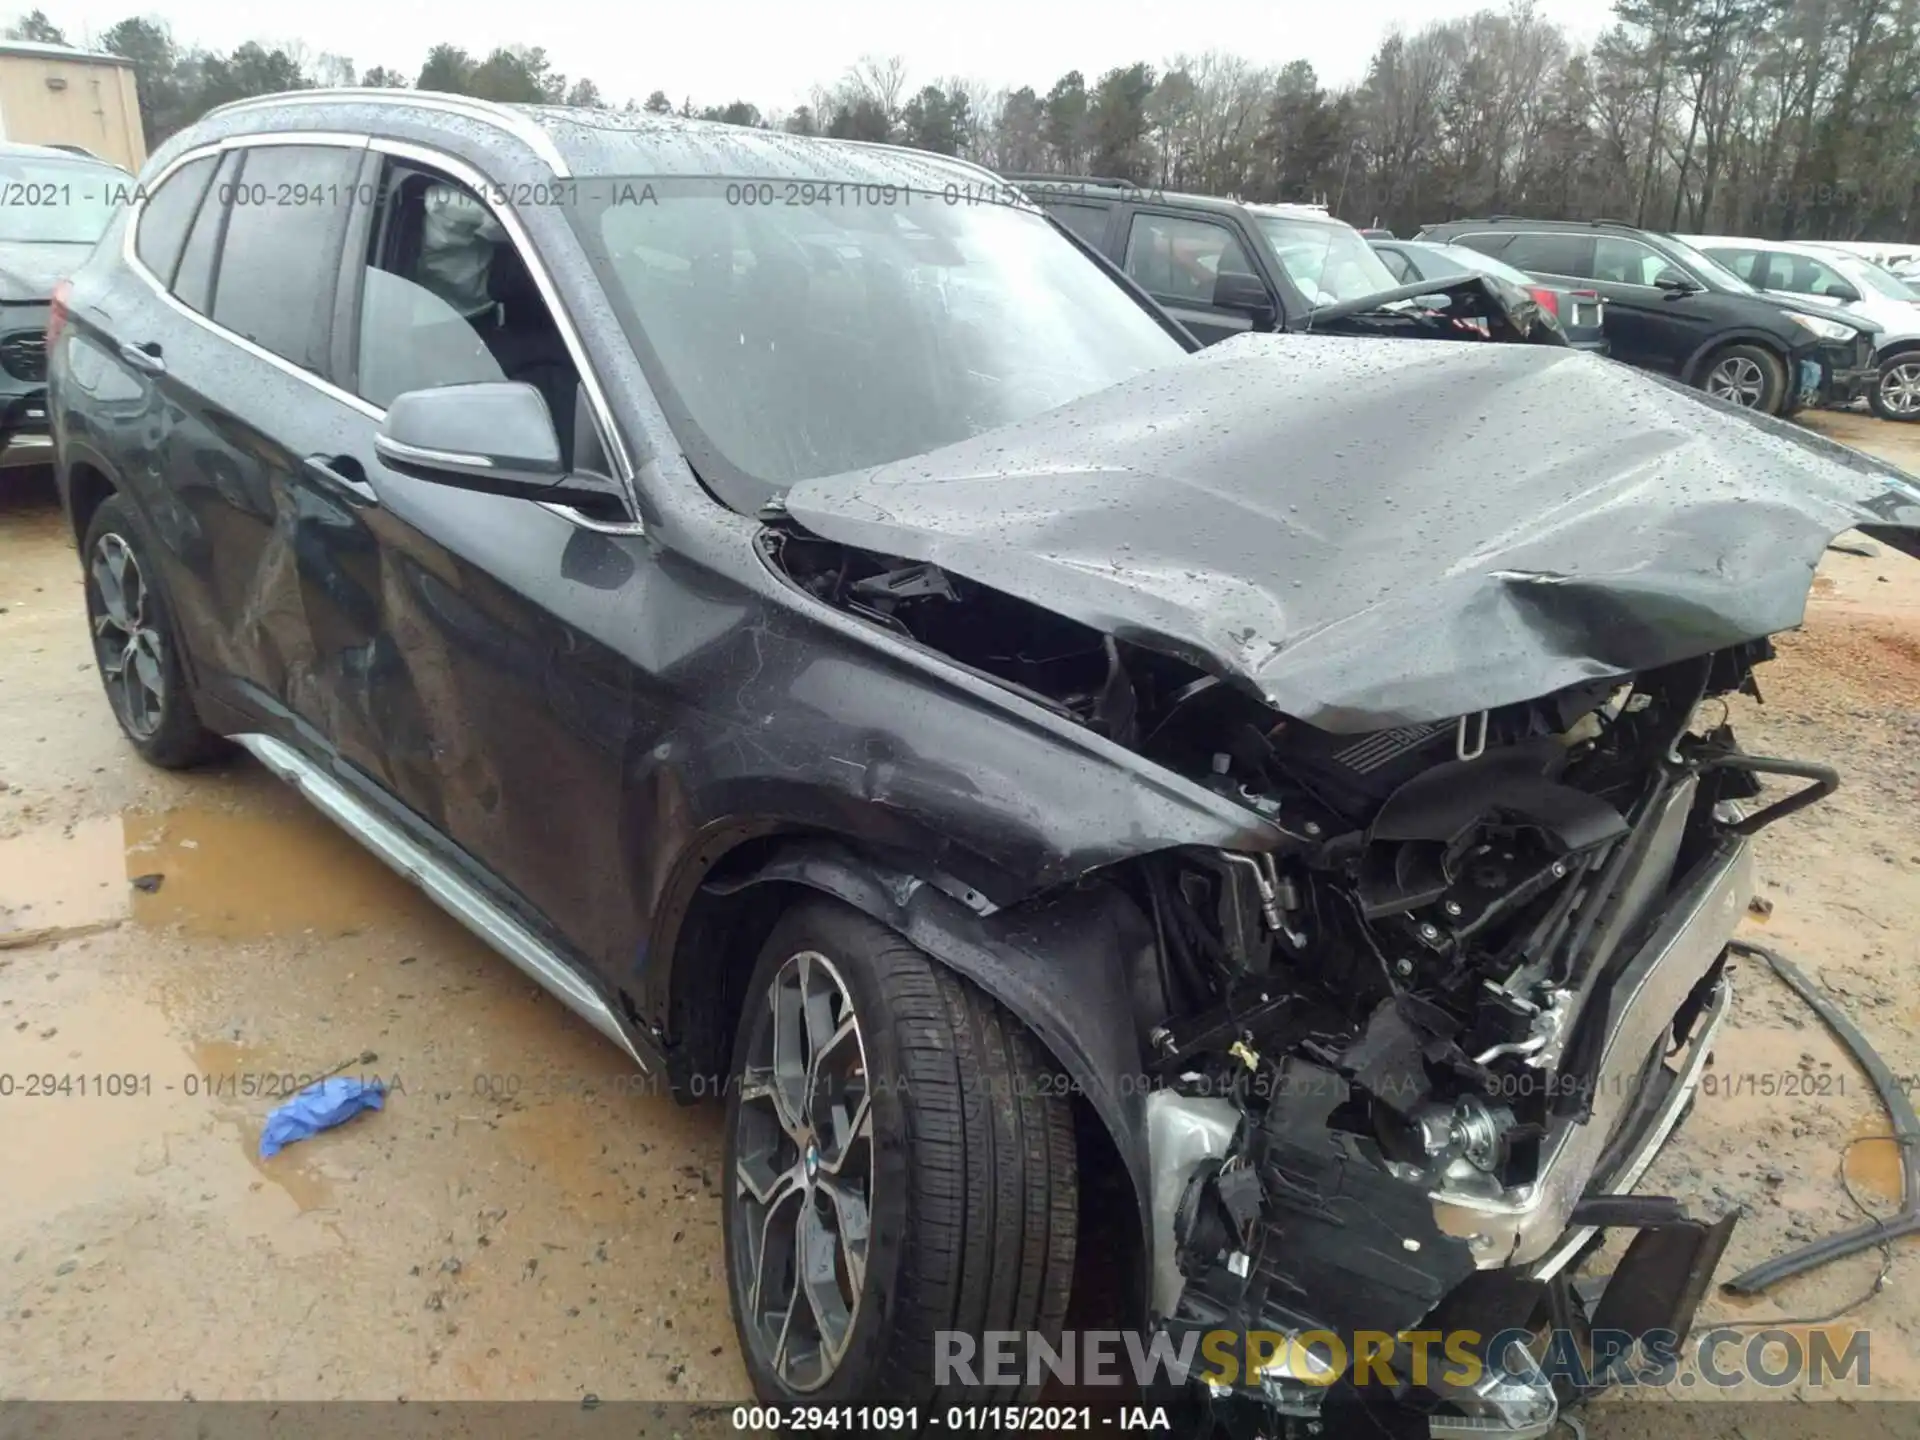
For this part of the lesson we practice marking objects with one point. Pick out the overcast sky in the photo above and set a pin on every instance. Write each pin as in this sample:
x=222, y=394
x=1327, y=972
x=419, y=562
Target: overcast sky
x=772, y=51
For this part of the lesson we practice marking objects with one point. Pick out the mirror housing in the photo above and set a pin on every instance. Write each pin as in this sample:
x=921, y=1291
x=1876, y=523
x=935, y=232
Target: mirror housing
x=1674, y=283
x=494, y=436
x=1843, y=292
x=1238, y=290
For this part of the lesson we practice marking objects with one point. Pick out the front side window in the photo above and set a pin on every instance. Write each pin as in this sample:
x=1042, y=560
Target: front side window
x=1804, y=275
x=794, y=341
x=1620, y=261
x=1744, y=263
x=1330, y=263
x=58, y=202
x=444, y=298
x=285, y=225
x=1178, y=258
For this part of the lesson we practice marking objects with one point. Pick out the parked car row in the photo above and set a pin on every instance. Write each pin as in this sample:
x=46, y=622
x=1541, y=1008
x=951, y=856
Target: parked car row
x=1853, y=287
x=1224, y=267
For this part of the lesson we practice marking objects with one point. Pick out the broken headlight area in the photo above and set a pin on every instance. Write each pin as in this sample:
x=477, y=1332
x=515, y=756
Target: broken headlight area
x=1409, y=1061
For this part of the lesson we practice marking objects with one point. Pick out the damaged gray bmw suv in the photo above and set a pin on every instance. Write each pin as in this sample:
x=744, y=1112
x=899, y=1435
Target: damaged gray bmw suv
x=1232, y=840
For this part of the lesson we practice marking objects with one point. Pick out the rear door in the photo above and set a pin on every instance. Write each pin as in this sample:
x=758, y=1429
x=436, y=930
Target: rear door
x=1177, y=259
x=229, y=341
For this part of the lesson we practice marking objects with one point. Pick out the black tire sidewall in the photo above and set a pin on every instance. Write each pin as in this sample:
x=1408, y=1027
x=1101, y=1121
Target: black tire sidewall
x=180, y=738
x=862, y=1374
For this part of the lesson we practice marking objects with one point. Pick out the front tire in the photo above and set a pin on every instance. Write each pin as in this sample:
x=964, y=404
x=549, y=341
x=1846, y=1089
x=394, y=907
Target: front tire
x=1896, y=393
x=1747, y=376
x=136, y=645
x=900, y=1165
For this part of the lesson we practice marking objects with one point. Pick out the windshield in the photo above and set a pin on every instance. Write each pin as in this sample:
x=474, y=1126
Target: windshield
x=800, y=329
x=1709, y=269
x=1870, y=278
x=1330, y=262
x=65, y=202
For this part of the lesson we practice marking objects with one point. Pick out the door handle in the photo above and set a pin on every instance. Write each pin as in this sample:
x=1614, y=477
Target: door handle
x=143, y=357
x=342, y=471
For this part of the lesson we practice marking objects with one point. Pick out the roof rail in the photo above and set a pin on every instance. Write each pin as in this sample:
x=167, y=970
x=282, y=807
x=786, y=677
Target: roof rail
x=515, y=122
x=1034, y=177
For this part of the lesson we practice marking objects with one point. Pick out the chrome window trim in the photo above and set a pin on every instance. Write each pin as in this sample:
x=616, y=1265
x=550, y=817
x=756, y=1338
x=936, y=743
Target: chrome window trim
x=522, y=127
x=459, y=170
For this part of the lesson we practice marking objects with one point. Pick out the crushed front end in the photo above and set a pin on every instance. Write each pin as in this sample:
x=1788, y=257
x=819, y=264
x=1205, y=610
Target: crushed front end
x=1425, y=1052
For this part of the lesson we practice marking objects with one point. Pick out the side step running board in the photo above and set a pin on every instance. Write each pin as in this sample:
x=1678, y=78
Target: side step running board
x=445, y=888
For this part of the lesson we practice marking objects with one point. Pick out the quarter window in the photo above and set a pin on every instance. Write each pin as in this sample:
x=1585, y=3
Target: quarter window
x=193, y=280
x=286, y=220
x=1180, y=259
x=168, y=213
x=1089, y=222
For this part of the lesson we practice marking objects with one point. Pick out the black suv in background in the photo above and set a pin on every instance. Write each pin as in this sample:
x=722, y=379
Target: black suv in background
x=1672, y=309
x=1223, y=267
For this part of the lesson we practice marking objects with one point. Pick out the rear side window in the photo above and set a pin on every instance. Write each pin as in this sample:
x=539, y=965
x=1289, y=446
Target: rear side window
x=193, y=281
x=166, y=216
x=1744, y=263
x=1089, y=222
x=1180, y=258
x=1548, y=252
x=280, y=257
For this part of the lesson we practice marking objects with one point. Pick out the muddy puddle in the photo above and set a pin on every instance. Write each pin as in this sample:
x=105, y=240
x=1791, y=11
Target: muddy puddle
x=265, y=866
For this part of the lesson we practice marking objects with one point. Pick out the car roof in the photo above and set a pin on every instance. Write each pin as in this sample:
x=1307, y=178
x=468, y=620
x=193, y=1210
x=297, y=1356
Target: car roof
x=1312, y=213
x=572, y=141
x=51, y=152
x=1743, y=242
x=1521, y=222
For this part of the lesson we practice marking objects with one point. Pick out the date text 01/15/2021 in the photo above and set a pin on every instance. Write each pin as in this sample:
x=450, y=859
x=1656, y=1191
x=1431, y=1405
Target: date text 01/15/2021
x=911, y=1419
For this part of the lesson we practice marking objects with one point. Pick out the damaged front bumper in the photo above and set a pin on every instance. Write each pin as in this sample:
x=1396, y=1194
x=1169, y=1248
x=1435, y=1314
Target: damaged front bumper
x=1669, y=1001
x=1530, y=1223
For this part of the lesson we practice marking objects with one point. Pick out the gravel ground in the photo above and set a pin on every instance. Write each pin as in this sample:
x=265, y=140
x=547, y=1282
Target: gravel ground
x=525, y=1220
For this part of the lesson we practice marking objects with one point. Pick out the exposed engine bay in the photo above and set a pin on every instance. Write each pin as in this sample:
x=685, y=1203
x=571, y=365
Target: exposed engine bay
x=1425, y=1036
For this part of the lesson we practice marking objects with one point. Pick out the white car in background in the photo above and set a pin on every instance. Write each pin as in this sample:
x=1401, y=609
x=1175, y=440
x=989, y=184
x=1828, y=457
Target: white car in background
x=1829, y=274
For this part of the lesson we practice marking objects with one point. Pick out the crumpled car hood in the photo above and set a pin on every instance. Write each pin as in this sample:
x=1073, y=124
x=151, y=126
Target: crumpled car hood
x=1372, y=533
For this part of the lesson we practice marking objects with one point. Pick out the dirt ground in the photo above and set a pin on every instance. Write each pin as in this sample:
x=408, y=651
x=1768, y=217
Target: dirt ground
x=519, y=1222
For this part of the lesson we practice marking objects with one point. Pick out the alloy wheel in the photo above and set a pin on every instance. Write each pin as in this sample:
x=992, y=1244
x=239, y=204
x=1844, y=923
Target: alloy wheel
x=803, y=1174
x=1900, y=389
x=125, y=641
x=1739, y=379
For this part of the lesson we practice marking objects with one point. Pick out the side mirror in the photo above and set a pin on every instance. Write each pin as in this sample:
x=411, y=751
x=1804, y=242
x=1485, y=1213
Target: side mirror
x=1674, y=283
x=1841, y=291
x=494, y=435
x=1238, y=290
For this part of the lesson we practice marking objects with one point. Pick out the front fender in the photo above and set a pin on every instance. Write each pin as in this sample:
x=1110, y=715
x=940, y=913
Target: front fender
x=1059, y=963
